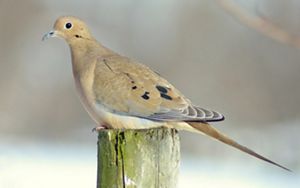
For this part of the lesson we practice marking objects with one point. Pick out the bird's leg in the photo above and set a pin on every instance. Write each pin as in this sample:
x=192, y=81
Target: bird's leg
x=99, y=128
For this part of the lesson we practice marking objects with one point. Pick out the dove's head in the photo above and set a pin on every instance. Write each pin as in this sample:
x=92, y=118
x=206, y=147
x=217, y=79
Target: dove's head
x=69, y=28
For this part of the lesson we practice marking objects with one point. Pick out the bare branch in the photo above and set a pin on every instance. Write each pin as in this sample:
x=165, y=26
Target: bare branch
x=261, y=24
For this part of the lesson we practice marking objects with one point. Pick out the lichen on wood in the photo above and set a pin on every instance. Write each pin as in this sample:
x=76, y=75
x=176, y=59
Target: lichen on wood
x=138, y=158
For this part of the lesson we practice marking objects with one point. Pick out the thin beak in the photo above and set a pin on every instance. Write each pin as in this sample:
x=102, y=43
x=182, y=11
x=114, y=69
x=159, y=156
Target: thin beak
x=51, y=33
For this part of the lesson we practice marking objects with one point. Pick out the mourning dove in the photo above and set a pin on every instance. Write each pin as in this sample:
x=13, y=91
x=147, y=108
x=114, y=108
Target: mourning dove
x=120, y=93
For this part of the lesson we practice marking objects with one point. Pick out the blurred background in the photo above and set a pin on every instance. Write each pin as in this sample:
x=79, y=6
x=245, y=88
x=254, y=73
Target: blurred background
x=213, y=58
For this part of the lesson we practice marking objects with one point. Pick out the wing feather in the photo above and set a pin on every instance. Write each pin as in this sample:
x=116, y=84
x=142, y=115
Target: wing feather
x=132, y=89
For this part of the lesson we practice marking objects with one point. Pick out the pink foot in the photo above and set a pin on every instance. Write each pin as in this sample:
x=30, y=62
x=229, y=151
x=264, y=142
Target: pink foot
x=99, y=128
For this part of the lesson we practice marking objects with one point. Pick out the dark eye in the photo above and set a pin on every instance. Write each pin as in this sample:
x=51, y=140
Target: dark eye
x=68, y=25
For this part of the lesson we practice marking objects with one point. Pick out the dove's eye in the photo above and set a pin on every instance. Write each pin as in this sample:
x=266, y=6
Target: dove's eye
x=68, y=25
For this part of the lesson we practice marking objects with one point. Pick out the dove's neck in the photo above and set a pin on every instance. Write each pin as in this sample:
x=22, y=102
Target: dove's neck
x=85, y=52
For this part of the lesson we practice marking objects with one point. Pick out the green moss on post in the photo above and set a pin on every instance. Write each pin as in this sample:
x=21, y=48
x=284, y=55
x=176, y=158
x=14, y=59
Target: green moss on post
x=138, y=158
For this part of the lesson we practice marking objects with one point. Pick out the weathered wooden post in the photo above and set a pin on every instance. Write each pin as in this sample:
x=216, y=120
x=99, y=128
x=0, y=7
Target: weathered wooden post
x=138, y=158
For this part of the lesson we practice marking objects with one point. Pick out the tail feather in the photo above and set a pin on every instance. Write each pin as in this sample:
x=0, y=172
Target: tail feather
x=211, y=131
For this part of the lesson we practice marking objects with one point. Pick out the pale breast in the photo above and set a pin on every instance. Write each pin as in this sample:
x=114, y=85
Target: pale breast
x=84, y=83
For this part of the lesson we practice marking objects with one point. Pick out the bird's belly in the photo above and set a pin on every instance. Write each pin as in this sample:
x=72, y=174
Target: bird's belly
x=118, y=121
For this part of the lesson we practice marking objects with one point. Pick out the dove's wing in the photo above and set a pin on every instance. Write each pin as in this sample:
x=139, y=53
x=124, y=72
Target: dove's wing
x=132, y=89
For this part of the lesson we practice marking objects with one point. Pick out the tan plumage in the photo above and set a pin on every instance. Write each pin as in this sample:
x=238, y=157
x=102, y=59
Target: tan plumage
x=119, y=92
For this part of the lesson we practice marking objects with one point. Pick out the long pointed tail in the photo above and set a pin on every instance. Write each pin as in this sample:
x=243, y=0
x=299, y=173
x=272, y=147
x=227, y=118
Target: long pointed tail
x=211, y=131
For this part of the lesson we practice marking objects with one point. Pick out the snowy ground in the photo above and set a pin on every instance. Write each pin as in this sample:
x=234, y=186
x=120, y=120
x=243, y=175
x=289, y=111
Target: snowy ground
x=48, y=166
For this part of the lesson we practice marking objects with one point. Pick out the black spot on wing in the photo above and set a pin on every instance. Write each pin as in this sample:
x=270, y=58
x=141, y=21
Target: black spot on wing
x=166, y=96
x=134, y=87
x=146, y=95
x=162, y=89
x=163, y=92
